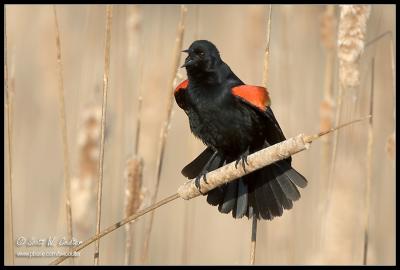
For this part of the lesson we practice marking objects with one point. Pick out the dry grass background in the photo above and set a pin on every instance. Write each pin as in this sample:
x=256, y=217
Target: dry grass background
x=196, y=233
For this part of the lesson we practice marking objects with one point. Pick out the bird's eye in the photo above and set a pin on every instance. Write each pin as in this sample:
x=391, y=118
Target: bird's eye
x=201, y=54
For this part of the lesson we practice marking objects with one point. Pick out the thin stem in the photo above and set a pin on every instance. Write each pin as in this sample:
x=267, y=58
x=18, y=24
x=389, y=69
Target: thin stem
x=140, y=101
x=8, y=108
x=166, y=126
x=103, y=123
x=266, y=56
x=369, y=167
x=64, y=130
x=253, y=240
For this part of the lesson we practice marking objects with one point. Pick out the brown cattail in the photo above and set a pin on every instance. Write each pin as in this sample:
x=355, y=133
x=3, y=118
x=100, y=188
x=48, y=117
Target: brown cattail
x=133, y=198
x=83, y=187
x=351, y=36
x=133, y=192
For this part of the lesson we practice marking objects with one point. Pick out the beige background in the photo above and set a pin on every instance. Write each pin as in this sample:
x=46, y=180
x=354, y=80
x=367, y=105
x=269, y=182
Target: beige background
x=297, y=62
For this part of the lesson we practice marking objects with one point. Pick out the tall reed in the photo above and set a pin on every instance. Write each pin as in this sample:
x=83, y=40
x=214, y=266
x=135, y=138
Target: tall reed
x=367, y=198
x=103, y=123
x=9, y=116
x=64, y=130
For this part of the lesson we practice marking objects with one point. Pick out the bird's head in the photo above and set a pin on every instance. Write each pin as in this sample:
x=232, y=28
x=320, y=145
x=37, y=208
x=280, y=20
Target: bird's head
x=203, y=56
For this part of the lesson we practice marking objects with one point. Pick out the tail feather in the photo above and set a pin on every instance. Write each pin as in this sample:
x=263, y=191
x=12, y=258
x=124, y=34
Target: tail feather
x=290, y=190
x=286, y=203
x=229, y=201
x=216, y=195
x=262, y=200
x=274, y=206
x=241, y=202
x=293, y=175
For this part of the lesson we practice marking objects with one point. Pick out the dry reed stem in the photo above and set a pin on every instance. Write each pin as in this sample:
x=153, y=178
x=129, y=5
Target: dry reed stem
x=266, y=56
x=103, y=123
x=133, y=198
x=8, y=109
x=140, y=101
x=134, y=26
x=223, y=175
x=166, y=125
x=369, y=167
x=253, y=241
x=351, y=34
x=390, y=143
x=64, y=130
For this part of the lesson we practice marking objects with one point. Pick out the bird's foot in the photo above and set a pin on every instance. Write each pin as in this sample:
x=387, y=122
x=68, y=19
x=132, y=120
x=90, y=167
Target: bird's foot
x=197, y=181
x=243, y=158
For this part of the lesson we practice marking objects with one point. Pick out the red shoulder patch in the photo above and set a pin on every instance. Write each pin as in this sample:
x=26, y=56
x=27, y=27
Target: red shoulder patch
x=182, y=85
x=256, y=95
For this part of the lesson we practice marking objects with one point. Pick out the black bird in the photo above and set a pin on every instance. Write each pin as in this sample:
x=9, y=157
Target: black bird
x=234, y=120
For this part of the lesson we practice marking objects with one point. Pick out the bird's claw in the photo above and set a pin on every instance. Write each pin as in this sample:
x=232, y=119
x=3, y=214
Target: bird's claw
x=197, y=181
x=243, y=158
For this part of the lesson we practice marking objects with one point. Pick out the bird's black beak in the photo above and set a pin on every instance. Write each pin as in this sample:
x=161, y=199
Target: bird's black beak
x=188, y=62
x=185, y=51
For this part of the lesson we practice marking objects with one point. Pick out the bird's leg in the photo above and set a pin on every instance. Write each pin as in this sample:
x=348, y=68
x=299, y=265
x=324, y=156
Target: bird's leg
x=204, y=172
x=243, y=158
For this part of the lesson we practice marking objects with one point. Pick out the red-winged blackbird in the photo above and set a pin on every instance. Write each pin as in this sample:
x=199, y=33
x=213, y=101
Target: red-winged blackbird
x=234, y=120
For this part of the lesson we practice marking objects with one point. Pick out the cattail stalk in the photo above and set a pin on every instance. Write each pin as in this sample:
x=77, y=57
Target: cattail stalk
x=103, y=122
x=369, y=167
x=166, y=126
x=8, y=108
x=223, y=175
x=64, y=130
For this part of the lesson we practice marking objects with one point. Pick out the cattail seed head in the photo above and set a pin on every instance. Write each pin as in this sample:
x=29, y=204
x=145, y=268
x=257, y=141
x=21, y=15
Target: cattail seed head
x=351, y=39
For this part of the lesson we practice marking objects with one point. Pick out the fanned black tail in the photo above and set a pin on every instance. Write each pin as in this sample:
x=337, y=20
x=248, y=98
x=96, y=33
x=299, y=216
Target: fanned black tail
x=263, y=193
